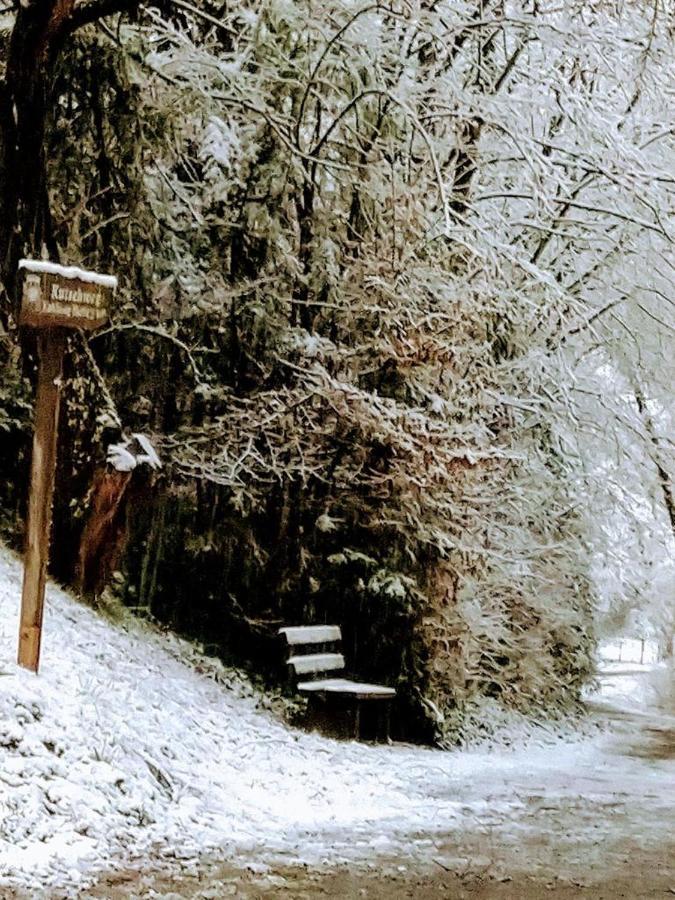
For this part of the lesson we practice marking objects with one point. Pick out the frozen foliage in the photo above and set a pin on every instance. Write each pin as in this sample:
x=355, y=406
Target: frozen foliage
x=125, y=456
x=450, y=203
x=417, y=260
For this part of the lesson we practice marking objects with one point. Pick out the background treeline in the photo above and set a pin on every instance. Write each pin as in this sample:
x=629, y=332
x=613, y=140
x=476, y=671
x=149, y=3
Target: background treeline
x=396, y=308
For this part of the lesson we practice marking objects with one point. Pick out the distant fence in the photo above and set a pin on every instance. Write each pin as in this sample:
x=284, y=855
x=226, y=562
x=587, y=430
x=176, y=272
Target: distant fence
x=635, y=650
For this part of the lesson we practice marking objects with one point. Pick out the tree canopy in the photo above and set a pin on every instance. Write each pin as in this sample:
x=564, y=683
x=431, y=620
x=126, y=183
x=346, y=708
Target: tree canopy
x=396, y=304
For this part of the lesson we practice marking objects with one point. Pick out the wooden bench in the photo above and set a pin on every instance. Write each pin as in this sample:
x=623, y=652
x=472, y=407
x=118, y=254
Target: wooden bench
x=315, y=659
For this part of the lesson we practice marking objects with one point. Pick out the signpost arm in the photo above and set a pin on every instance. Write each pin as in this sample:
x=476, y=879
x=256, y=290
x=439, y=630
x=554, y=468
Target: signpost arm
x=51, y=347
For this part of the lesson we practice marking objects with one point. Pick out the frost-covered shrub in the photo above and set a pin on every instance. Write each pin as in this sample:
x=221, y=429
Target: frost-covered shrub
x=373, y=251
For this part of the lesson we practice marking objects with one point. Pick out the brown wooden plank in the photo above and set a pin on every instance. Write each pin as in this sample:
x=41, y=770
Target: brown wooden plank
x=311, y=634
x=317, y=662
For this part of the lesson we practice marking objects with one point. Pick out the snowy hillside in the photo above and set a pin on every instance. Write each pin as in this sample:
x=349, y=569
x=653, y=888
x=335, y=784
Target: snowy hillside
x=121, y=752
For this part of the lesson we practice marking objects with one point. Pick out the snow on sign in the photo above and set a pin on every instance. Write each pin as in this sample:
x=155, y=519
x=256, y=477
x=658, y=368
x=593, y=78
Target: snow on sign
x=64, y=296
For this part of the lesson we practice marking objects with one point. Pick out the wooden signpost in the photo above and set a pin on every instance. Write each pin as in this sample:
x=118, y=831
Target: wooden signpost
x=55, y=298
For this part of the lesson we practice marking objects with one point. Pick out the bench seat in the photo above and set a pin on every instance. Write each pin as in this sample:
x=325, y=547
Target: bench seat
x=357, y=689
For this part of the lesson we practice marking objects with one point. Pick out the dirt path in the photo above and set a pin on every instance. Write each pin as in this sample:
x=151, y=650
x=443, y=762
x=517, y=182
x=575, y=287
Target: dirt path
x=638, y=883
x=574, y=834
x=589, y=818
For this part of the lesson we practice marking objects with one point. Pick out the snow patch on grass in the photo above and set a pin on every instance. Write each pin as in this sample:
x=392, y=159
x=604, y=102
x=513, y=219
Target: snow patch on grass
x=131, y=747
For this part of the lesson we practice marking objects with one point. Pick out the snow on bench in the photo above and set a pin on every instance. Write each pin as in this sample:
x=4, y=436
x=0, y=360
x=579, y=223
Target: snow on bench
x=345, y=686
x=302, y=641
x=311, y=634
x=317, y=662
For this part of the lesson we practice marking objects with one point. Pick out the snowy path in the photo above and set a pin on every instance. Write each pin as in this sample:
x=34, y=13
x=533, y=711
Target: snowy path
x=122, y=756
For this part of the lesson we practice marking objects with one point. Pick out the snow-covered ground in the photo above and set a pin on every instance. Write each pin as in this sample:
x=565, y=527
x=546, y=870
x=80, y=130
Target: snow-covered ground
x=129, y=750
x=631, y=678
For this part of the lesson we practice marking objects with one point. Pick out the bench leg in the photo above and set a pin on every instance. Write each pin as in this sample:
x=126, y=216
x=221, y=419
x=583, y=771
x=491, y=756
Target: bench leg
x=357, y=720
x=387, y=720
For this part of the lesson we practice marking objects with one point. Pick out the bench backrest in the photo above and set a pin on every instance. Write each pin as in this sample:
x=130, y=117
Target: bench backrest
x=306, y=656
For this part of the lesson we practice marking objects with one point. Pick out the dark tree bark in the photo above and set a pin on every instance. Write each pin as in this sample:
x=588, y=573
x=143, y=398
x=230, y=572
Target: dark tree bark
x=655, y=452
x=23, y=108
x=40, y=30
x=105, y=533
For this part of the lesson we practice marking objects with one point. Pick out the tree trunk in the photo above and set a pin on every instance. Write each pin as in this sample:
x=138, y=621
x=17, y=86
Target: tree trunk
x=39, y=32
x=667, y=639
x=24, y=102
x=664, y=479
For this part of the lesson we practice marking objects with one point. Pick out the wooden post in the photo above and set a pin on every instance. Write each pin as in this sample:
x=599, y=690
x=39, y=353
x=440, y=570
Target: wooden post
x=51, y=347
x=54, y=298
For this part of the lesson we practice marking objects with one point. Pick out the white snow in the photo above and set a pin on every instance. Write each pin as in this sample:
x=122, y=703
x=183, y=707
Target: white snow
x=130, y=747
x=42, y=267
x=124, y=459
